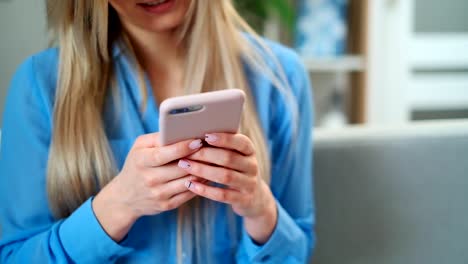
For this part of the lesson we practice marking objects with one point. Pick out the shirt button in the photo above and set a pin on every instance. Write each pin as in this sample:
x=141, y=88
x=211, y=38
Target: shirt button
x=265, y=258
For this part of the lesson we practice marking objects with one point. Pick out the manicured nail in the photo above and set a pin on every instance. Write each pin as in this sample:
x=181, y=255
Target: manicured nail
x=210, y=138
x=196, y=144
x=188, y=184
x=184, y=164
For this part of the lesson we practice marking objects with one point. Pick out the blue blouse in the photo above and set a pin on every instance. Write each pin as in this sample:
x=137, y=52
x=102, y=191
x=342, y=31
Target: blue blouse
x=29, y=233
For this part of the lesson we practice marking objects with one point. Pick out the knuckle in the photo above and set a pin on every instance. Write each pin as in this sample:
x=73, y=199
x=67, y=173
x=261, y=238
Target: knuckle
x=156, y=157
x=170, y=205
x=254, y=182
x=179, y=149
x=201, y=153
x=228, y=158
x=149, y=181
x=247, y=148
x=164, y=206
x=157, y=196
x=244, y=137
x=252, y=150
x=253, y=166
x=197, y=169
x=201, y=190
x=221, y=195
x=226, y=176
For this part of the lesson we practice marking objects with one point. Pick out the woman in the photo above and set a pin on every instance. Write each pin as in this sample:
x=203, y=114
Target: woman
x=83, y=178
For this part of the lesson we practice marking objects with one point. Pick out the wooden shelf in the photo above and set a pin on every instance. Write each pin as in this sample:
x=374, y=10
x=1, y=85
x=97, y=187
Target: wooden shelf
x=348, y=63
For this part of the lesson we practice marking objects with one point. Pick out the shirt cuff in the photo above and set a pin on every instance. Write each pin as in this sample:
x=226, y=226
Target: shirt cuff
x=85, y=240
x=286, y=232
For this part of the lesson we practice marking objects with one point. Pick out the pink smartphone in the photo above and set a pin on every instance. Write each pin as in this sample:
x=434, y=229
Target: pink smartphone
x=192, y=116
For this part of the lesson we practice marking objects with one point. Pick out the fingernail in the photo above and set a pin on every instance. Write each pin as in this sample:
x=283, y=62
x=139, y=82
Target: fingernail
x=188, y=184
x=196, y=144
x=184, y=164
x=210, y=138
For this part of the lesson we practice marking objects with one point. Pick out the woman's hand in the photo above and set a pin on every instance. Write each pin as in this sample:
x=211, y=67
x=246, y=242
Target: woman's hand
x=149, y=183
x=231, y=161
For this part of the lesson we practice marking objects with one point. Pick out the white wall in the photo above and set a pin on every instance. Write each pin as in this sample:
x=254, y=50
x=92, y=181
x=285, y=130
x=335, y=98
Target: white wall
x=401, y=32
x=389, y=30
x=22, y=33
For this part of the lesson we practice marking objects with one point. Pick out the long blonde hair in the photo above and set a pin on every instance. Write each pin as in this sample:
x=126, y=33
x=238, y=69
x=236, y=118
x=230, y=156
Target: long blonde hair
x=80, y=161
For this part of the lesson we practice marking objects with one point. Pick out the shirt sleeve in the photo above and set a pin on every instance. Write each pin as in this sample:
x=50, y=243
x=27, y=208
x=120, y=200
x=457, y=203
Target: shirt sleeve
x=28, y=231
x=293, y=238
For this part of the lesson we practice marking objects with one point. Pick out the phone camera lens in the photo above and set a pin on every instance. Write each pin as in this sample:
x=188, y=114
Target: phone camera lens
x=181, y=110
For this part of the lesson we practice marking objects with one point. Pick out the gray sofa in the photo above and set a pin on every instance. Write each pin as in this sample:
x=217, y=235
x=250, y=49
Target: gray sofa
x=392, y=195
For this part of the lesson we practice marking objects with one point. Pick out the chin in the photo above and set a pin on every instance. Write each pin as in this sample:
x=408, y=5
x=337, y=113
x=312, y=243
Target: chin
x=167, y=15
x=160, y=25
x=152, y=15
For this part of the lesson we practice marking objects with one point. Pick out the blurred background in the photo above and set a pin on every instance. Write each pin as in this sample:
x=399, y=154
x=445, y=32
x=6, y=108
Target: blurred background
x=371, y=62
x=380, y=61
x=390, y=84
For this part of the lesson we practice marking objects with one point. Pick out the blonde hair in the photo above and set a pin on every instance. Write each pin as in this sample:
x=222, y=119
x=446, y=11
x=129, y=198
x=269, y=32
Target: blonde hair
x=80, y=161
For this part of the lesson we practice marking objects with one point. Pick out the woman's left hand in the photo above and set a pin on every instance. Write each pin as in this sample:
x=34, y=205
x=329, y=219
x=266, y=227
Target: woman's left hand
x=231, y=161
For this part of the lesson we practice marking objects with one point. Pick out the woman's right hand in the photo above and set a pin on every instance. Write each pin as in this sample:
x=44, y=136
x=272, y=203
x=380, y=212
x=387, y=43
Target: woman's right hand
x=150, y=183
